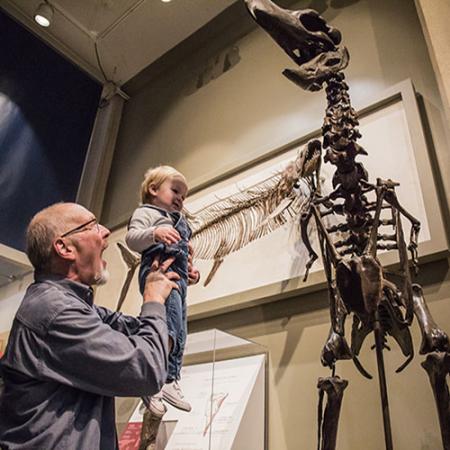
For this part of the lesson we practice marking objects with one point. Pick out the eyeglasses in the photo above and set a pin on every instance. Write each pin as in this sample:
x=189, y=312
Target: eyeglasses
x=83, y=227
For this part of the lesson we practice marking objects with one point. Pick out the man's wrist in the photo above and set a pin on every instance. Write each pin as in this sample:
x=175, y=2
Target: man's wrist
x=152, y=298
x=153, y=309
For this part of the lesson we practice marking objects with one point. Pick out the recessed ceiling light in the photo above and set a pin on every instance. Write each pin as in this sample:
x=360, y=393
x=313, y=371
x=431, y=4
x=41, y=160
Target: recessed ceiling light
x=43, y=15
x=166, y=1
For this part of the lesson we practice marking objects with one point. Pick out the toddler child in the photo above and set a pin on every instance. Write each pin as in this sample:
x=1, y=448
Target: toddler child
x=158, y=229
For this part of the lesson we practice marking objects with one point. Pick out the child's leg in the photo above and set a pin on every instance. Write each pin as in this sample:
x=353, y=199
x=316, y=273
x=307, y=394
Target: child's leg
x=144, y=270
x=182, y=338
x=174, y=313
x=147, y=259
x=176, y=316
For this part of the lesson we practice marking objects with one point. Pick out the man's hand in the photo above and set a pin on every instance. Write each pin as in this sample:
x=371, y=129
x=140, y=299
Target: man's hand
x=166, y=235
x=159, y=282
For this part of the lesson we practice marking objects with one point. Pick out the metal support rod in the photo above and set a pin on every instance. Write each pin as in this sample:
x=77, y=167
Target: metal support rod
x=382, y=379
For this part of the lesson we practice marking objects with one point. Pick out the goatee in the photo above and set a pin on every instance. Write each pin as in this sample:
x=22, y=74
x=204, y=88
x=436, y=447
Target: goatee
x=102, y=278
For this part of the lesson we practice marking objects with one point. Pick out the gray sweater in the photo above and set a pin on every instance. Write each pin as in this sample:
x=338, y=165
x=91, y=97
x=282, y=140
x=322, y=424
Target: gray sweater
x=65, y=361
x=141, y=229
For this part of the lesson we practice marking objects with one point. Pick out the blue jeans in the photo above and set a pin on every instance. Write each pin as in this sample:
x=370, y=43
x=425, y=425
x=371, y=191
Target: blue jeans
x=176, y=320
x=177, y=326
x=176, y=302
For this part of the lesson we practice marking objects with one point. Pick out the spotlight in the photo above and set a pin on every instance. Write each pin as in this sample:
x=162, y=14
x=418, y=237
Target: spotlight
x=43, y=15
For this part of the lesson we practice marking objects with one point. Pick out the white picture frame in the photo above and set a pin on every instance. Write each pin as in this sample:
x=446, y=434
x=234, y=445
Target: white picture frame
x=394, y=138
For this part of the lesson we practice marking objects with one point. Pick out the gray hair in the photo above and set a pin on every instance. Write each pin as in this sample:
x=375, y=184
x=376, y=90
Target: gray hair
x=43, y=229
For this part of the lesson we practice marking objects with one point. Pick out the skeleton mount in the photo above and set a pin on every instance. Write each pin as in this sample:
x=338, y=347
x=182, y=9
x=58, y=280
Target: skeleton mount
x=367, y=219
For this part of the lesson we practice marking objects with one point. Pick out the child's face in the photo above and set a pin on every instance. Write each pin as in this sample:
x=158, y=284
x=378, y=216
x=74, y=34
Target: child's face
x=170, y=195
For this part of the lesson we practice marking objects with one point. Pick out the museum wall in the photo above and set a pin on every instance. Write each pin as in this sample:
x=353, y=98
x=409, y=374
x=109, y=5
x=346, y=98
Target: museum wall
x=434, y=20
x=243, y=114
x=252, y=109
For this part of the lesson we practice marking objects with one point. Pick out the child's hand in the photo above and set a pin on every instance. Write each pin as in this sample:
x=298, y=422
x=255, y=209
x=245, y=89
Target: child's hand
x=193, y=272
x=166, y=235
x=193, y=275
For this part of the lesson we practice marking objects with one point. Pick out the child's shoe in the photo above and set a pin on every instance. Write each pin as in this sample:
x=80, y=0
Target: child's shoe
x=172, y=394
x=155, y=404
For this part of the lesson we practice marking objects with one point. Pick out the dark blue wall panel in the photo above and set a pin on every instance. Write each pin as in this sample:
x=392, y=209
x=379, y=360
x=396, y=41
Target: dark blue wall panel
x=47, y=110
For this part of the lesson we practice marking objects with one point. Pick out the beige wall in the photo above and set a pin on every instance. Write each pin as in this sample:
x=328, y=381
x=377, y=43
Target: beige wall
x=434, y=16
x=245, y=113
x=253, y=109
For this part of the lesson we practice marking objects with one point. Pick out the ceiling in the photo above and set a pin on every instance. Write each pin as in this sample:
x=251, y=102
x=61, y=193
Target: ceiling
x=127, y=34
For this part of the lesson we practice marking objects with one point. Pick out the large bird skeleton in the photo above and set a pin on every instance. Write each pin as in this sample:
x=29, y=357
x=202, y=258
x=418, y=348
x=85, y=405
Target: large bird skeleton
x=380, y=301
x=367, y=218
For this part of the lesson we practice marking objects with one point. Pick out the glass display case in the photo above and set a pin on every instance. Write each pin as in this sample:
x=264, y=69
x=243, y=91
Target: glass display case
x=224, y=379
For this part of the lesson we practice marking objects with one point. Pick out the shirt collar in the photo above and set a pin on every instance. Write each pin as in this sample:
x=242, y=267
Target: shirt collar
x=162, y=210
x=81, y=290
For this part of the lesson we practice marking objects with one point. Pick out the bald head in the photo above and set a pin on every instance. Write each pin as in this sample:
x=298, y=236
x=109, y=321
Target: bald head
x=45, y=227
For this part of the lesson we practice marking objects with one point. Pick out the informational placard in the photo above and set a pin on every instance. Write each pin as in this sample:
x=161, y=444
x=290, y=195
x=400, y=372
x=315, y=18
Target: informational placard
x=130, y=438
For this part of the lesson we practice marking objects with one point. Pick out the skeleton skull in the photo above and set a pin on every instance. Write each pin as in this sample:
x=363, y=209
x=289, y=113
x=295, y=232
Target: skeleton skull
x=307, y=39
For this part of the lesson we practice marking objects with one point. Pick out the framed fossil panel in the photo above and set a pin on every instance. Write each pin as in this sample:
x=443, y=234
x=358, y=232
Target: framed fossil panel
x=272, y=266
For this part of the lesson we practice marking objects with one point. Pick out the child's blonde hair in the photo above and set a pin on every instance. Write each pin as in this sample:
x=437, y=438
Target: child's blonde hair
x=156, y=176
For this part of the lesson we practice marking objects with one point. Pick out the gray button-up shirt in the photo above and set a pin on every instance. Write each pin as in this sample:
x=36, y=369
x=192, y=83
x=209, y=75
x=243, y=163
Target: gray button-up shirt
x=65, y=361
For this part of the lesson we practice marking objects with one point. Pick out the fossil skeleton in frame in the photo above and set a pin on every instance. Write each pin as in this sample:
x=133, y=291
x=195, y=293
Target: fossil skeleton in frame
x=231, y=223
x=381, y=302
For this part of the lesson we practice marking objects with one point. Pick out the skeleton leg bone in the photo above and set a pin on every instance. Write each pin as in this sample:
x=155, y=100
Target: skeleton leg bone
x=406, y=289
x=150, y=427
x=327, y=431
x=338, y=311
x=437, y=365
x=335, y=349
x=392, y=199
x=433, y=337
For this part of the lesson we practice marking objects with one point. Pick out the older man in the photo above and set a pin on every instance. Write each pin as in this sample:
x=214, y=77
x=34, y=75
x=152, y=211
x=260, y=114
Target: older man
x=66, y=358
